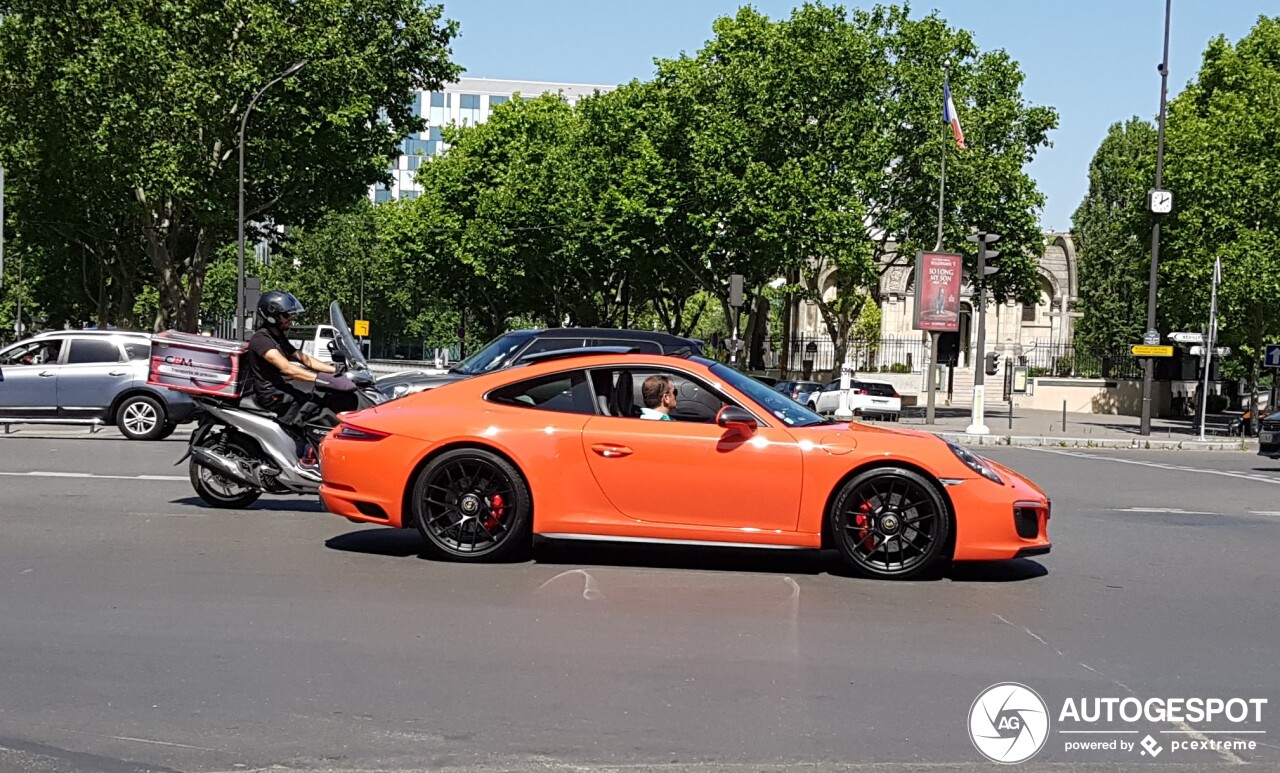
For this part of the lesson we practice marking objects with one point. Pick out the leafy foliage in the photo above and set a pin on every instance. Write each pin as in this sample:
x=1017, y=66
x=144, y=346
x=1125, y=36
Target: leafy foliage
x=119, y=122
x=1113, y=233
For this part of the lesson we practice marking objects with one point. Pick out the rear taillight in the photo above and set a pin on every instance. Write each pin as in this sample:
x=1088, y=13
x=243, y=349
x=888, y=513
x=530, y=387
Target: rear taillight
x=352, y=432
x=861, y=392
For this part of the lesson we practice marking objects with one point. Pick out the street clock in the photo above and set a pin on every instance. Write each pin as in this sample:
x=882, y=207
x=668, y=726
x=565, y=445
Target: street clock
x=1159, y=201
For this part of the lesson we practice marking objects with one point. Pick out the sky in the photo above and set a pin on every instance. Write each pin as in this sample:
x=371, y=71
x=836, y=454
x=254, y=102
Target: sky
x=1094, y=61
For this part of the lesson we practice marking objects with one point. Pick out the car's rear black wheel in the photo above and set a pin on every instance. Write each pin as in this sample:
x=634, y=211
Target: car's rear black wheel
x=472, y=505
x=141, y=417
x=890, y=523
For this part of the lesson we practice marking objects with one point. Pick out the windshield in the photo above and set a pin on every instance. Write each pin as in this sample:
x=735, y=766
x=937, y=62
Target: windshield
x=344, y=341
x=776, y=404
x=491, y=357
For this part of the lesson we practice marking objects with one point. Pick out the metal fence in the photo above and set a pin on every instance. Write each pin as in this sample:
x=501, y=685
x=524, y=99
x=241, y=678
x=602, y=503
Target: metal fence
x=1071, y=361
x=884, y=355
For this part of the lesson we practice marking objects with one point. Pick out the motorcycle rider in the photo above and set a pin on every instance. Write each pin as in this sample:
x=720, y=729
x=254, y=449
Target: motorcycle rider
x=274, y=360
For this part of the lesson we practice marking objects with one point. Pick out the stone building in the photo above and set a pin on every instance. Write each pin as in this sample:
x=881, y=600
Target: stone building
x=1039, y=332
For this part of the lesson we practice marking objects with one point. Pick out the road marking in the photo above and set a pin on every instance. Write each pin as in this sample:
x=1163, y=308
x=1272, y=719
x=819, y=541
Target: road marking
x=1183, y=727
x=1166, y=510
x=1264, y=512
x=1160, y=465
x=90, y=475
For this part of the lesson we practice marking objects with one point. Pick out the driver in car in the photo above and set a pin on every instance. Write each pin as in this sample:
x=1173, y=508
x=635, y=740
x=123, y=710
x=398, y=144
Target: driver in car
x=274, y=360
x=659, y=395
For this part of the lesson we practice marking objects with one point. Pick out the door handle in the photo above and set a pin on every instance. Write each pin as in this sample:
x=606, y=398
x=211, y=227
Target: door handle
x=118, y=373
x=46, y=374
x=611, y=450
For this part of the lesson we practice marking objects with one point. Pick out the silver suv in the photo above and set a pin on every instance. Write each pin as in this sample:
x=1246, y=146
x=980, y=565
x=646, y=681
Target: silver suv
x=88, y=377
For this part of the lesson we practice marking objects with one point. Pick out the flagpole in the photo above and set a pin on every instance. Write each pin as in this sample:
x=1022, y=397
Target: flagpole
x=942, y=179
x=931, y=379
x=1209, y=341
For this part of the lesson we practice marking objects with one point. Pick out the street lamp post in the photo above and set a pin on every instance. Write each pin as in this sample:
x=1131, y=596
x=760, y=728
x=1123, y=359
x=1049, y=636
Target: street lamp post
x=244, y=123
x=1148, y=375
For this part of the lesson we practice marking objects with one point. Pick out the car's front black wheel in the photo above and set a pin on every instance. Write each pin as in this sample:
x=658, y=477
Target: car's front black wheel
x=472, y=505
x=890, y=523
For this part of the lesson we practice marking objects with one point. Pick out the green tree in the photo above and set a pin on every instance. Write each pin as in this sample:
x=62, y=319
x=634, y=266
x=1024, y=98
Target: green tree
x=814, y=147
x=1222, y=134
x=119, y=122
x=1112, y=229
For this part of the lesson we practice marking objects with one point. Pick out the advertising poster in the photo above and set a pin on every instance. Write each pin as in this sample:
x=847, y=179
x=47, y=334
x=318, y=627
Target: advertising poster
x=937, y=284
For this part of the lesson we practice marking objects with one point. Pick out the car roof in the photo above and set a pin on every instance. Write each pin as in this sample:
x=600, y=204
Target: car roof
x=92, y=333
x=655, y=336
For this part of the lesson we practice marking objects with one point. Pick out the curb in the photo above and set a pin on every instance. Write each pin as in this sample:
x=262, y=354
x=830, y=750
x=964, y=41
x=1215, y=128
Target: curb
x=1040, y=441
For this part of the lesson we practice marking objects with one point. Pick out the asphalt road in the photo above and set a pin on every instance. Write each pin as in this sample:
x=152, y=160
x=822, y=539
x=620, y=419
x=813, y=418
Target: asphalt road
x=142, y=631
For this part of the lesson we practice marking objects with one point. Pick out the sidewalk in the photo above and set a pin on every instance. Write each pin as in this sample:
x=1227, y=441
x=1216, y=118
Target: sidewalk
x=1085, y=430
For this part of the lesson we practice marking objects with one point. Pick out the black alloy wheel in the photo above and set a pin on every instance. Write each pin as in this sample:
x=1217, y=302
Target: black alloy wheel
x=472, y=505
x=890, y=523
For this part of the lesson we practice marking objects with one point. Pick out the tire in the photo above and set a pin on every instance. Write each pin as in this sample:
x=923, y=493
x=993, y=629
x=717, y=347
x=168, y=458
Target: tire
x=218, y=492
x=168, y=430
x=462, y=497
x=886, y=513
x=141, y=417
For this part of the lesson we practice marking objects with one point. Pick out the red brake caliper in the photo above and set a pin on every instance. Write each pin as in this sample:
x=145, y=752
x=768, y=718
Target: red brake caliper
x=863, y=522
x=497, y=508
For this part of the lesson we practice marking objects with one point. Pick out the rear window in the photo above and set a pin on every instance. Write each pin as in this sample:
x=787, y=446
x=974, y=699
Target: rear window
x=137, y=350
x=880, y=390
x=88, y=350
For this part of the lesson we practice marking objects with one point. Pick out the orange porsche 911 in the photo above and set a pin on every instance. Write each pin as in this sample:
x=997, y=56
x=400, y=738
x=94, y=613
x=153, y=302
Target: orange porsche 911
x=588, y=445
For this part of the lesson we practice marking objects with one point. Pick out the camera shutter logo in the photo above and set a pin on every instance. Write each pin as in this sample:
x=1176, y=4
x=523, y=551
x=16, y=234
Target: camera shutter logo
x=1008, y=723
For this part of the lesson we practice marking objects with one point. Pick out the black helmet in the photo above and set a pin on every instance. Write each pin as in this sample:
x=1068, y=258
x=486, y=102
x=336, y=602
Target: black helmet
x=273, y=303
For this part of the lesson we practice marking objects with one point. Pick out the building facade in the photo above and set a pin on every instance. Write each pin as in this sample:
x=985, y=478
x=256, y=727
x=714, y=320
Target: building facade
x=1041, y=331
x=468, y=102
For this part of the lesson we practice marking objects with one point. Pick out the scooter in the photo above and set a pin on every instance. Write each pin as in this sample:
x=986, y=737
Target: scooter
x=240, y=451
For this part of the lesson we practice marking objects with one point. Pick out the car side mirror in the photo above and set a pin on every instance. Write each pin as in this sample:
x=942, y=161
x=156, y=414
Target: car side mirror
x=735, y=418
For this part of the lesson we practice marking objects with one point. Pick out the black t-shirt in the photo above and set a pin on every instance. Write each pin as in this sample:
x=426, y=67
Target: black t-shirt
x=265, y=379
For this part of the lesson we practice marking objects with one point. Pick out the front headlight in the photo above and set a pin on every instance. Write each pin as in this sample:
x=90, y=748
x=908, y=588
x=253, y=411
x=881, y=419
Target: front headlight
x=975, y=462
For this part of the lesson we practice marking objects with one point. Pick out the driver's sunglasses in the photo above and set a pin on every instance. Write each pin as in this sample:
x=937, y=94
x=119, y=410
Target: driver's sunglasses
x=285, y=315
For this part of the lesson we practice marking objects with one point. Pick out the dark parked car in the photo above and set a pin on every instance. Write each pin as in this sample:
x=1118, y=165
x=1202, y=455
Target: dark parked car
x=513, y=348
x=798, y=390
x=89, y=377
x=1269, y=436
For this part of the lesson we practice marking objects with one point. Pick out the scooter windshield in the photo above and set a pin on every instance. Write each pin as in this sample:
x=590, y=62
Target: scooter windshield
x=344, y=340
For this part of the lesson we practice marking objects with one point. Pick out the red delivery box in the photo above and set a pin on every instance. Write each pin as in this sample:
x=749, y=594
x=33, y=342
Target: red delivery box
x=198, y=364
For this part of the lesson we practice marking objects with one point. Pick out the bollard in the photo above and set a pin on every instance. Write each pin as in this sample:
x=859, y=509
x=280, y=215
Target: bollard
x=1064, y=417
x=1011, y=412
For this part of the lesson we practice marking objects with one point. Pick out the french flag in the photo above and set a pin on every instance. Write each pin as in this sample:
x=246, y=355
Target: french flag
x=949, y=114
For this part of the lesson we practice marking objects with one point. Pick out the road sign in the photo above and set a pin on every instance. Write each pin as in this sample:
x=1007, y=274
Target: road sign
x=1152, y=351
x=1186, y=338
x=362, y=328
x=1218, y=351
x=1151, y=338
x=1273, y=356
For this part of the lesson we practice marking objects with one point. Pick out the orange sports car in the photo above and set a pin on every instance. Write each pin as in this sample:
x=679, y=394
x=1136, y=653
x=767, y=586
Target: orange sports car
x=596, y=444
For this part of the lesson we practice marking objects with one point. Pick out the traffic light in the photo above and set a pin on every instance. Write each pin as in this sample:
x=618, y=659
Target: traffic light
x=986, y=255
x=992, y=366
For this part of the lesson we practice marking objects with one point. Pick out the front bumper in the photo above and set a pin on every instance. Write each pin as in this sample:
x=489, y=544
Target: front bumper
x=997, y=523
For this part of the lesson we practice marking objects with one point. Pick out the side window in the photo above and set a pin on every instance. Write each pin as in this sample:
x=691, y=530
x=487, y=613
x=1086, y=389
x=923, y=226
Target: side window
x=137, y=350
x=37, y=353
x=550, y=345
x=647, y=347
x=622, y=391
x=563, y=392
x=832, y=387
x=91, y=350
